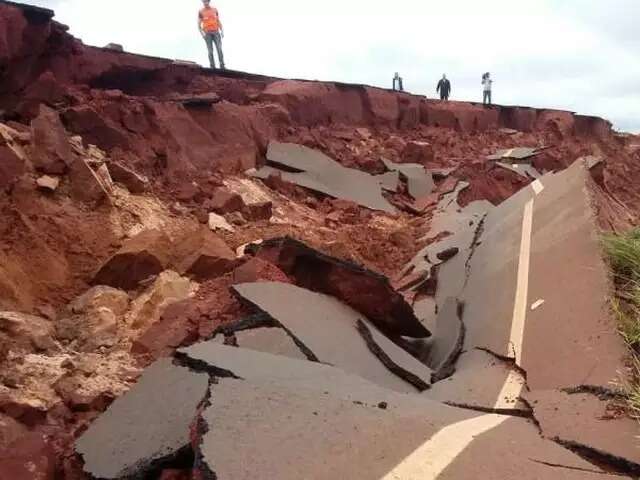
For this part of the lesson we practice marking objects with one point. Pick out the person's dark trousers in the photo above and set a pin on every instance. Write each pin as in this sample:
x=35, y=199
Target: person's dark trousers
x=444, y=97
x=210, y=39
x=487, y=98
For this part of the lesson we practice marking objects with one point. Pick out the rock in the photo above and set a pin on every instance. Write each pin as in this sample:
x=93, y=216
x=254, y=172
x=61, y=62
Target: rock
x=418, y=152
x=52, y=152
x=115, y=47
x=96, y=129
x=20, y=332
x=255, y=270
x=143, y=256
x=365, y=133
x=12, y=166
x=89, y=331
x=258, y=211
x=101, y=297
x=28, y=458
x=86, y=186
x=72, y=391
x=134, y=182
x=395, y=143
x=146, y=310
x=206, y=256
x=218, y=222
x=46, y=89
x=10, y=431
x=188, y=192
x=223, y=201
x=49, y=183
x=178, y=326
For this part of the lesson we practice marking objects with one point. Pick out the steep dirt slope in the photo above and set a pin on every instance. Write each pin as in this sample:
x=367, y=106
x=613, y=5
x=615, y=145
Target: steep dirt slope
x=139, y=145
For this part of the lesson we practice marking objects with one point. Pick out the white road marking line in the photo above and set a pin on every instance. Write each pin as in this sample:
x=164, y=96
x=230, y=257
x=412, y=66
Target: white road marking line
x=537, y=186
x=522, y=286
x=508, y=396
x=429, y=460
x=434, y=456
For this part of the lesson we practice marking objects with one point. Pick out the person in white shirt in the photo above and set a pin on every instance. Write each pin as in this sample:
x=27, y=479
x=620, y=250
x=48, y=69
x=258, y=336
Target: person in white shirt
x=487, y=84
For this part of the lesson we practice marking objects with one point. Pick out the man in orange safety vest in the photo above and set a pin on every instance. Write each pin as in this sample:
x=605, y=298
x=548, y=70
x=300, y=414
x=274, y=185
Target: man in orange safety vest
x=210, y=28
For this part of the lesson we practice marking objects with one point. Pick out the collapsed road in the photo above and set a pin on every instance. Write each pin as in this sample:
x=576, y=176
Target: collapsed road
x=222, y=275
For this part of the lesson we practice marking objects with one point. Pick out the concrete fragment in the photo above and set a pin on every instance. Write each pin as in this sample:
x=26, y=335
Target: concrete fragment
x=47, y=182
x=365, y=291
x=146, y=427
x=584, y=419
x=303, y=428
x=515, y=154
x=447, y=342
x=419, y=181
x=269, y=340
x=316, y=171
x=524, y=170
x=315, y=319
x=389, y=181
x=481, y=380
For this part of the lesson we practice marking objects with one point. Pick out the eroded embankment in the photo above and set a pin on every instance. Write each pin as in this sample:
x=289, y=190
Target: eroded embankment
x=112, y=164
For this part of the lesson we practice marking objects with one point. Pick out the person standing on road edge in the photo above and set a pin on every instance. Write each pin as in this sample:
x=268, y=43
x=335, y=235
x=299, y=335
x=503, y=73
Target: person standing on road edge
x=487, y=84
x=444, y=87
x=210, y=28
x=397, y=83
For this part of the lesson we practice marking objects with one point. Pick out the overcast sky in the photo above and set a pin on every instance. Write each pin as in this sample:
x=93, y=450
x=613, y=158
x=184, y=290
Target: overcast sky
x=580, y=55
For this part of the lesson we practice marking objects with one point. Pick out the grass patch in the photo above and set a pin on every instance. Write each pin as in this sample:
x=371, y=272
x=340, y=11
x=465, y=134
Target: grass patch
x=623, y=253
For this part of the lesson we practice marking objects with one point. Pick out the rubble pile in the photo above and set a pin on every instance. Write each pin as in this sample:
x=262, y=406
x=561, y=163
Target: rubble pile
x=223, y=275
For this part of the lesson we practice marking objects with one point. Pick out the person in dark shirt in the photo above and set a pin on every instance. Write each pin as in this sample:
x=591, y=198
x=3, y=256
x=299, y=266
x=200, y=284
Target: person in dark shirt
x=397, y=83
x=444, y=87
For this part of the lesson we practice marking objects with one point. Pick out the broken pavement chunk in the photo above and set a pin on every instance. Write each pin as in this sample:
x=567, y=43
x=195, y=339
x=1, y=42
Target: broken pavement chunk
x=315, y=171
x=269, y=340
x=584, y=419
x=389, y=181
x=146, y=427
x=316, y=320
x=367, y=292
x=419, y=181
x=514, y=154
x=524, y=170
x=447, y=342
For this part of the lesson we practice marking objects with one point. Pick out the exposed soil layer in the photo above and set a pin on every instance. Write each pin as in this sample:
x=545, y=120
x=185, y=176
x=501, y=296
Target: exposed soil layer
x=175, y=140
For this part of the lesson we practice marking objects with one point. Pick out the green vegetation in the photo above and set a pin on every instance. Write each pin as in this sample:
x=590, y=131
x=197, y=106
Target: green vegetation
x=623, y=252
